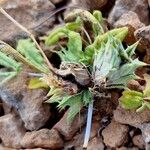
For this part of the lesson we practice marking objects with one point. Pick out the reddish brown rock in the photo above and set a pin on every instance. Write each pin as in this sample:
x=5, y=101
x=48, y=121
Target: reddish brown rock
x=131, y=117
x=43, y=138
x=134, y=85
x=143, y=34
x=131, y=20
x=126, y=148
x=69, y=130
x=140, y=7
x=138, y=141
x=115, y=134
x=95, y=129
x=95, y=144
x=149, y=3
x=11, y=131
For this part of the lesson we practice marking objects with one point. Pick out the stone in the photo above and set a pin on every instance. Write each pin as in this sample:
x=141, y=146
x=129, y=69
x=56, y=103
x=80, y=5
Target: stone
x=89, y=4
x=140, y=7
x=95, y=129
x=32, y=110
x=29, y=13
x=43, y=138
x=115, y=134
x=146, y=59
x=134, y=85
x=56, y=1
x=143, y=34
x=95, y=144
x=131, y=117
x=5, y=148
x=149, y=3
x=138, y=141
x=126, y=148
x=145, y=128
x=76, y=142
x=147, y=146
x=131, y=20
x=34, y=149
x=28, y=103
x=68, y=130
x=11, y=131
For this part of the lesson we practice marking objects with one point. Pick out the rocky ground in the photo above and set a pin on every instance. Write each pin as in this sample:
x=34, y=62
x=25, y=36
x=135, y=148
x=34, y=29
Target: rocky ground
x=28, y=123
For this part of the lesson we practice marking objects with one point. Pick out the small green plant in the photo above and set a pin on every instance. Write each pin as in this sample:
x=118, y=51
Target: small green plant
x=137, y=100
x=94, y=57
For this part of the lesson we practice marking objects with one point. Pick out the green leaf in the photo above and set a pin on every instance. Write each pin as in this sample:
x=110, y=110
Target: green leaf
x=143, y=107
x=93, y=20
x=28, y=49
x=6, y=76
x=147, y=86
x=131, y=49
x=36, y=83
x=87, y=97
x=106, y=59
x=76, y=25
x=131, y=99
x=124, y=73
x=8, y=62
x=119, y=33
x=90, y=50
x=55, y=35
x=55, y=94
x=74, y=52
x=74, y=110
x=75, y=104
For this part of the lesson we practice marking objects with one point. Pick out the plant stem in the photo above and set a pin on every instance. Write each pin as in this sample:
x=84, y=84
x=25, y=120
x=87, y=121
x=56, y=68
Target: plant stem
x=30, y=35
x=88, y=125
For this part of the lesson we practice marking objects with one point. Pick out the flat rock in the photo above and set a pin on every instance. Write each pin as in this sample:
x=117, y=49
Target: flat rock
x=140, y=7
x=131, y=117
x=69, y=130
x=43, y=138
x=138, y=141
x=29, y=13
x=131, y=20
x=11, y=131
x=115, y=134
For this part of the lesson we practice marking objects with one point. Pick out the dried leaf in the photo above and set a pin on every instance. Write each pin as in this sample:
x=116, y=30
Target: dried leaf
x=77, y=70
